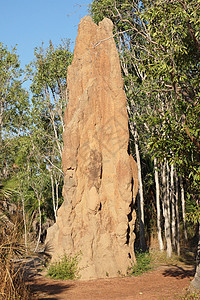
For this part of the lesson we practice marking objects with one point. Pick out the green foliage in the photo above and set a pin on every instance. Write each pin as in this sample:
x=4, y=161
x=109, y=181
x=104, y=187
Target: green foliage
x=13, y=98
x=65, y=268
x=31, y=132
x=14, y=104
x=48, y=74
x=193, y=216
x=49, y=71
x=143, y=260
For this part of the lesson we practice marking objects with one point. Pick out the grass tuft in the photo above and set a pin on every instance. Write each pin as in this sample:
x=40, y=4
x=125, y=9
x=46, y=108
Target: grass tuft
x=142, y=265
x=65, y=268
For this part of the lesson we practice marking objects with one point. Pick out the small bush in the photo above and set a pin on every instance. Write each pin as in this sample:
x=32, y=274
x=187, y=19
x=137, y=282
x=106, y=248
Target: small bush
x=143, y=260
x=65, y=268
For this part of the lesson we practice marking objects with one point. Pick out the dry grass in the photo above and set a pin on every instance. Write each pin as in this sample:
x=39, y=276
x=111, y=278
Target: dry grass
x=189, y=296
x=160, y=258
x=12, y=283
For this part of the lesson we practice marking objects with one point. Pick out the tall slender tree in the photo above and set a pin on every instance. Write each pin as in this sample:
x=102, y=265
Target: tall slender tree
x=49, y=89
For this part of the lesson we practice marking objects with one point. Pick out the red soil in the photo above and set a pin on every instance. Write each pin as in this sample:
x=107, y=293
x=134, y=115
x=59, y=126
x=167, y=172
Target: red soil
x=165, y=282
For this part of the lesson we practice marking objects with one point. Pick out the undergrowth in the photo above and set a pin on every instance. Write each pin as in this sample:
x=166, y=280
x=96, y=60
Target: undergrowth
x=160, y=258
x=190, y=296
x=65, y=268
x=12, y=282
x=143, y=263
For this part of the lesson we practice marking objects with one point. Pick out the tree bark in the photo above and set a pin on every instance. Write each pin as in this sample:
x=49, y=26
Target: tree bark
x=166, y=215
x=183, y=208
x=168, y=191
x=24, y=219
x=177, y=216
x=39, y=197
x=195, y=283
x=40, y=224
x=57, y=194
x=53, y=194
x=159, y=230
x=140, y=196
x=173, y=208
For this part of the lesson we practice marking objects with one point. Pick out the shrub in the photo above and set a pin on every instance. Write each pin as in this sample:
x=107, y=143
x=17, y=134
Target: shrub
x=65, y=268
x=143, y=260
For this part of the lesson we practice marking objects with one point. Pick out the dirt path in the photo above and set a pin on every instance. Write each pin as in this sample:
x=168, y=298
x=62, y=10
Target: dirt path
x=166, y=282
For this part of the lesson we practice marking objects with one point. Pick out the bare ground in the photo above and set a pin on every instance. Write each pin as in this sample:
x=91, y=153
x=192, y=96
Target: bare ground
x=164, y=282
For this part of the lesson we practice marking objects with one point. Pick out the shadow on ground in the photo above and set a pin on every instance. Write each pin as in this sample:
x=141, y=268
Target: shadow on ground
x=46, y=290
x=178, y=272
x=42, y=288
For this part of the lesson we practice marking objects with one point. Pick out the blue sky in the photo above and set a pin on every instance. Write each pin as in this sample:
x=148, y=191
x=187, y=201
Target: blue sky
x=28, y=23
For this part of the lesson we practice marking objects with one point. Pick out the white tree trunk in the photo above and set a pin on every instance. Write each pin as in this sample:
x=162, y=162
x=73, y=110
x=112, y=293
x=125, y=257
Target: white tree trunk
x=167, y=217
x=159, y=230
x=53, y=195
x=39, y=197
x=24, y=219
x=173, y=208
x=141, y=197
x=57, y=194
x=168, y=192
x=183, y=208
x=24, y=214
x=40, y=224
x=177, y=217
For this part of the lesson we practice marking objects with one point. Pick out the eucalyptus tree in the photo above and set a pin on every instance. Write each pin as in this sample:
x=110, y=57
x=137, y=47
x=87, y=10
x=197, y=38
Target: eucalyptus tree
x=49, y=100
x=174, y=66
x=14, y=124
x=31, y=132
x=14, y=104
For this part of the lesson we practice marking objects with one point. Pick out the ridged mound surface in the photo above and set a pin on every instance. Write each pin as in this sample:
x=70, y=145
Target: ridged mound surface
x=100, y=177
